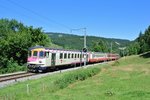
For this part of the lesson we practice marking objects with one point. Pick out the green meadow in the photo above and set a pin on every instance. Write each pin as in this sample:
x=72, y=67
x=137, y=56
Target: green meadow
x=125, y=79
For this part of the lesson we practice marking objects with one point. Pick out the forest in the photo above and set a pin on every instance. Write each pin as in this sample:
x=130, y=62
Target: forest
x=16, y=38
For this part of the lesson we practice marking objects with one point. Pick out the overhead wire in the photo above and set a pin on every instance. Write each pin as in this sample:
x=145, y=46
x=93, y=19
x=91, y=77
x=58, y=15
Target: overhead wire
x=39, y=15
x=18, y=13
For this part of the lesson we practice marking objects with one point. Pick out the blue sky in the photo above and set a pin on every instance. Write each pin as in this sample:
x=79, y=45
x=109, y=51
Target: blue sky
x=122, y=19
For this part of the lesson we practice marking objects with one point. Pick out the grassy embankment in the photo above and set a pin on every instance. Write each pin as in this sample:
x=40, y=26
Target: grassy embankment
x=125, y=79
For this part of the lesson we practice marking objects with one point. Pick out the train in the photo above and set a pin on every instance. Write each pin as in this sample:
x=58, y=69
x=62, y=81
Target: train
x=41, y=59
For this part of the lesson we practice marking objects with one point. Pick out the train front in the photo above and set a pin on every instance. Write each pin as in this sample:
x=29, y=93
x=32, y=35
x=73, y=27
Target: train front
x=36, y=61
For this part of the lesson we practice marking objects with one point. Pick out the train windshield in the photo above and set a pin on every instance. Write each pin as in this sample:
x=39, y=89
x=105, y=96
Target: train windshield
x=41, y=54
x=35, y=53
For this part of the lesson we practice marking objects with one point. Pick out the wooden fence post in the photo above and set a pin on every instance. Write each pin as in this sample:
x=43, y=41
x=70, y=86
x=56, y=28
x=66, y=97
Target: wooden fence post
x=27, y=88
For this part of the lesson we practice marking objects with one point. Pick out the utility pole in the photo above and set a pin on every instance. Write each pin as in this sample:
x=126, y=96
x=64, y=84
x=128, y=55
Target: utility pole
x=85, y=58
x=84, y=37
x=85, y=47
x=123, y=48
x=111, y=48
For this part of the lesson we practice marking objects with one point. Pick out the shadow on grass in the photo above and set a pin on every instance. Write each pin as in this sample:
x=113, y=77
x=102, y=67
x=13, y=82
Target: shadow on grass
x=138, y=94
x=145, y=55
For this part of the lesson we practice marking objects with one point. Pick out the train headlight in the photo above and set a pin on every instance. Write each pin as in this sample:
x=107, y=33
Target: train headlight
x=40, y=61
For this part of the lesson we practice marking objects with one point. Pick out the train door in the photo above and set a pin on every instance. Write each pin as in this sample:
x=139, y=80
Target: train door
x=53, y=59
x=48, y=58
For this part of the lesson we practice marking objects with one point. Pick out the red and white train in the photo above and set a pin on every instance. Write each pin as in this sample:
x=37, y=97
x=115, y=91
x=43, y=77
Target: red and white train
x=41, y=58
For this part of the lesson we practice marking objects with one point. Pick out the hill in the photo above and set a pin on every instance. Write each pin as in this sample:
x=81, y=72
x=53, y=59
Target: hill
x=127, y=80
x=70, y=41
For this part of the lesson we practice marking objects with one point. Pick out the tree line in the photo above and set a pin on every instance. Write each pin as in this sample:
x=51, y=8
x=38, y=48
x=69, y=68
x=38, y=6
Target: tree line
x=141, y=44
x=15, y=39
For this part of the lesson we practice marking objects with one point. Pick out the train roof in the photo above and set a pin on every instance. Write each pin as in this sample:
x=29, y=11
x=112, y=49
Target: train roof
x=47, y=48
x=36, y=47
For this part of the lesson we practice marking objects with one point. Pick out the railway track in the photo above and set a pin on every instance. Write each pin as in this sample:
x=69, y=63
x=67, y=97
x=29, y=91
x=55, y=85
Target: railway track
x=15, y=76
x=6, y=80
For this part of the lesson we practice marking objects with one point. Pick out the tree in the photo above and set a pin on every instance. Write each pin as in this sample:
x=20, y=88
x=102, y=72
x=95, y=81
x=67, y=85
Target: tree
x=133, y=48
x=100, y=46
x=15, y=39
x=141, y=44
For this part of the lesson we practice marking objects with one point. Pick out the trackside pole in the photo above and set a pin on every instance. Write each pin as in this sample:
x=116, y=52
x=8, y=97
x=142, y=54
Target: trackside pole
x=84, y=59
x=27, y=88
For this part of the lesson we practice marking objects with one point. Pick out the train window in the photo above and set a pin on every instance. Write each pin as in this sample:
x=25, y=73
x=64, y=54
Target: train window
x=61, y=55
x=78, y=55
x=65, y=56
x=41, y=54
x=35, y=53
x=75, y=56
x=72, y=55
x=69, y=55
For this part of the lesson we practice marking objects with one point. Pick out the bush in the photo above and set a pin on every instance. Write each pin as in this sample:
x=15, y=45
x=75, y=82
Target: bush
x=116, y=63
x=80, y=74
x=12, y=66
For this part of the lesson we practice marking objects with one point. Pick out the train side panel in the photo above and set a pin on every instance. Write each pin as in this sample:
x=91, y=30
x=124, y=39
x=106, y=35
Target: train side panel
x=41, y=58
x=97, y=57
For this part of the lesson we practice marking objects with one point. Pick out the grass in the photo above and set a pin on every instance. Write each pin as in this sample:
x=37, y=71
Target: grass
x=125, y=79
x=129, y=80
x=35, y=89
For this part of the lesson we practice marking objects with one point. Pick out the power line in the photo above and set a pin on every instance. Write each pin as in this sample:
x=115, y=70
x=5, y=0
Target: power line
x=17, y=12
x=5, y=7
x=37, y=14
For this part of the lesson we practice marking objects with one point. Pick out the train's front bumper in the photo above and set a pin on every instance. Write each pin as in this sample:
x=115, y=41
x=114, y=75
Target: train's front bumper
x=36, y=67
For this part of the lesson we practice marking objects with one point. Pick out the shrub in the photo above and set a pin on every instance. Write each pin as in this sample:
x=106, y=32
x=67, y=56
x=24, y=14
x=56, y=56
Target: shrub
x=80, y=74
x=12, y=66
